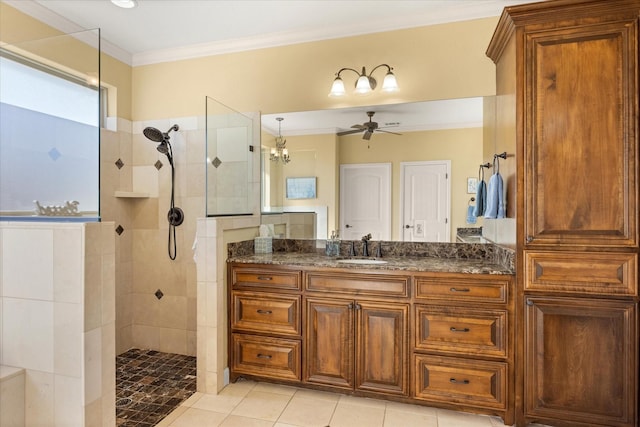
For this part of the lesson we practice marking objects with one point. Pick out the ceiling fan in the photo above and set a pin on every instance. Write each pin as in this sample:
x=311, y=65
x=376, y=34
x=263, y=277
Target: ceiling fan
x=367, y=127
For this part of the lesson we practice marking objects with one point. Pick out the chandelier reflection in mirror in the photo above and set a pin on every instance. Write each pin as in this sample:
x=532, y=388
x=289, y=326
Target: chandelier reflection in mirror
x=365, y=83
x=280, y=153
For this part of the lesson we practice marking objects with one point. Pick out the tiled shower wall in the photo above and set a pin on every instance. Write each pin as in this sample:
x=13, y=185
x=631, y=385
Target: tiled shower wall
x=57, y=315
x=132, y=168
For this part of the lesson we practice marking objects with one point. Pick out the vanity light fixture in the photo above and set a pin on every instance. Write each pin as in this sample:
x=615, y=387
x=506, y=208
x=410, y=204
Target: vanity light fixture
x=365, y=83
x=125, y=4
x=280, y=152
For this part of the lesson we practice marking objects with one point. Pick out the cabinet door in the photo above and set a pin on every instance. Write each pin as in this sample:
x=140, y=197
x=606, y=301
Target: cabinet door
x=580, y=361
x=329, y=342
x=381, y=347
x=580, y=142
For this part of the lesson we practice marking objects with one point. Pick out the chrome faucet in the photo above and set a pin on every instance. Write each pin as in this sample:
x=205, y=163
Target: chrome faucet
x=365, y=244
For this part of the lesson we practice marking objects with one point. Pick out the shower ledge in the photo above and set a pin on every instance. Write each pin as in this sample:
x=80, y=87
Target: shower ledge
x=131, y=195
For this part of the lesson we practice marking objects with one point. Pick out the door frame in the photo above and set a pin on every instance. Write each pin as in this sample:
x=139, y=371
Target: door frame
x=403, y=166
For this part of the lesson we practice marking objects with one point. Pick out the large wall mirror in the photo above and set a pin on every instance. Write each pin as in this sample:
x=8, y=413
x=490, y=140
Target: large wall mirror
x=320, y=143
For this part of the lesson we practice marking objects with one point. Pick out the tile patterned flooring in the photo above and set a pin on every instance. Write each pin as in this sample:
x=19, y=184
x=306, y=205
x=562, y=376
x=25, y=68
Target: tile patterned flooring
x=252, y=404
x=158, y=389
x=151, y=384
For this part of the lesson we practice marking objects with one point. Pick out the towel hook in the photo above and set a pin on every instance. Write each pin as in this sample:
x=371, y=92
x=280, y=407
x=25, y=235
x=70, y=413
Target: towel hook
x=486, y=165
x=501, y=155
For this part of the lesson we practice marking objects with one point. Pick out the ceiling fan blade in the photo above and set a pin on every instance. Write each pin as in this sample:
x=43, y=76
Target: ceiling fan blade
x=386, y=131
x=361, y=127
x=348, y=132
x=367, y=135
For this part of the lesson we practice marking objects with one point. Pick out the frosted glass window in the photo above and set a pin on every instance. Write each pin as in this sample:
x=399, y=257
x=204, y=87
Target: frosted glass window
x=49, y=144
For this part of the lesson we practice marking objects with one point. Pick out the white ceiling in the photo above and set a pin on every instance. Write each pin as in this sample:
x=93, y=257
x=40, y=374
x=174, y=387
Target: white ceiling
x=161, y=30
x=168, y=30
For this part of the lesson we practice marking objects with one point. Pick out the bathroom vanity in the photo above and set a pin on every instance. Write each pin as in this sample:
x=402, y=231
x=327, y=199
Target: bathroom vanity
x=421, y=329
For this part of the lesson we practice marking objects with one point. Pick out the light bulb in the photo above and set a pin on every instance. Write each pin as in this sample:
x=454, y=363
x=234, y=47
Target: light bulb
x=389, y=84
x=363, y=86
x=337, y=88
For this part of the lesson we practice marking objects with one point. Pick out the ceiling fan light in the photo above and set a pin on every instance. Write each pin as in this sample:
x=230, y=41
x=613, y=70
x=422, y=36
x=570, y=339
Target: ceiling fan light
x=125, y=4
x=389, y=84
x=363, y=86
x=337, y=88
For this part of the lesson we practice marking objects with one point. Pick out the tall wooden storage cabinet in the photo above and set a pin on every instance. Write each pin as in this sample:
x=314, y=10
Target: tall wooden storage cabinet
x=572, y=68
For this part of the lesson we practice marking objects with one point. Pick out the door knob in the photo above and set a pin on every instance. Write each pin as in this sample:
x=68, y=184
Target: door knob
x=348, y=226
x=408, y=226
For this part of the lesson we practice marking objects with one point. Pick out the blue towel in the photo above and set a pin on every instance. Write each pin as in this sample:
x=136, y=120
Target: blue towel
x=495, y=198
x=471, y=216
x=481, y=199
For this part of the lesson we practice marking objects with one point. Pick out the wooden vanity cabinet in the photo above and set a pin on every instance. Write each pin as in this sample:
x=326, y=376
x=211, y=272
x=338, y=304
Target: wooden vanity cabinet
x=572, y=69
x=463, y=342
x=356, y=337
x=265, y=326
x=438, y=339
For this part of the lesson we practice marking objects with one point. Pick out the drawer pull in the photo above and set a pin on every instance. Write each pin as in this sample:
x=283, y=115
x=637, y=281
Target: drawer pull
x=454, y=329
x=455, y=381
x=264, y=356
x=460, y=289
x=265, y=278
x=264, y=311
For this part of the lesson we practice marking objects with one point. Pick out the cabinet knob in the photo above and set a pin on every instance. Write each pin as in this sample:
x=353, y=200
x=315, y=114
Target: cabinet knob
x=529, y=239
x=264, y=311
x=460, y=289
x=455, y=381
x=350, y=306
x=454, y=329
x=264, y=356
x=265, y=278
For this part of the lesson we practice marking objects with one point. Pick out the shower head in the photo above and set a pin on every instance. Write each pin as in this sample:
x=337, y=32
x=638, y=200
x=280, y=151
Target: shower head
x=154, y=134
x=163, y=147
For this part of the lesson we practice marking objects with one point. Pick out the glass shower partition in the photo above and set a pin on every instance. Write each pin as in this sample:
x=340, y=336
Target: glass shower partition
x=50, y=129
x=230, y=142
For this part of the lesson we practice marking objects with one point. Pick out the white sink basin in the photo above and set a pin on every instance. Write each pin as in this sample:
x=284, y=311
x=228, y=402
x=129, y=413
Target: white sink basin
x=361, y=261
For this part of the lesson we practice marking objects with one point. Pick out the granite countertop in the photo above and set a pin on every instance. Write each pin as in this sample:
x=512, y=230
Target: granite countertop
x=398, y=263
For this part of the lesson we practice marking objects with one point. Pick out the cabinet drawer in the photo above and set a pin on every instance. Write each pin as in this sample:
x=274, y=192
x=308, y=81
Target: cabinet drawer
x=265, y=278
x=462, y=381
x=492, y=289
x=461, y=330
x=266, y=357
x=581, y=272
x=264, y=312
x=360, y=283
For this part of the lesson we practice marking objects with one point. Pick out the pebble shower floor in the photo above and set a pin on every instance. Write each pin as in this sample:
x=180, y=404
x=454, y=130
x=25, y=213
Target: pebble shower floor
x=150, y=385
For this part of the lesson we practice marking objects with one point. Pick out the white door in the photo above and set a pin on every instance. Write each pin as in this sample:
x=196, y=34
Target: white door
x=365, y=201
x=425, y=201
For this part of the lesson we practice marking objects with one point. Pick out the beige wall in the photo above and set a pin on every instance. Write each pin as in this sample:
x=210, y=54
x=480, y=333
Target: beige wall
x=435, y=62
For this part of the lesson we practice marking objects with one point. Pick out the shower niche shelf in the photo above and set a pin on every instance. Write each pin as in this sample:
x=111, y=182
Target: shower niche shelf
x=131, y=195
